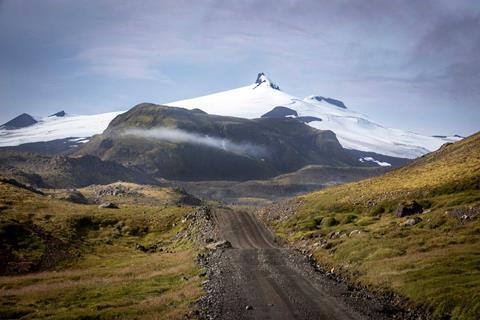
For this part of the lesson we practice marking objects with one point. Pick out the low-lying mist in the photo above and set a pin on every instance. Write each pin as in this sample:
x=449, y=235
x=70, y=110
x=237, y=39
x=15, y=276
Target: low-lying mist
x=182, y=136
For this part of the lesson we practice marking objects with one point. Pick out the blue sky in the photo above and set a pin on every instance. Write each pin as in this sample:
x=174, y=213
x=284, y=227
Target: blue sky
x=408, y=64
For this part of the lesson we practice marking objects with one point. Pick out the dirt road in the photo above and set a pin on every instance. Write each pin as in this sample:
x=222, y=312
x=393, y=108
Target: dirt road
x=258, y=279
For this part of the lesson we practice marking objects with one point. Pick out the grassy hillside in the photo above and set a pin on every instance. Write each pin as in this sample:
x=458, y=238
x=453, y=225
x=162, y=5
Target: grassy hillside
x=62, y=260
x=435, y=262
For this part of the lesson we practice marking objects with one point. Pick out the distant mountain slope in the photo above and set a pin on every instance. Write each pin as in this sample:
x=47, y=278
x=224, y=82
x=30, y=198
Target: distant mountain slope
x=56, y=127
x=65, y=172
x=353, y=130
x=176, y=143
x=51, y=147
x=430, y=256
x=260, y=192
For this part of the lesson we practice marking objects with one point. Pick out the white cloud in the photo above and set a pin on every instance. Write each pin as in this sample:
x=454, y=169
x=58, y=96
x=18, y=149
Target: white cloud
x=182, y=136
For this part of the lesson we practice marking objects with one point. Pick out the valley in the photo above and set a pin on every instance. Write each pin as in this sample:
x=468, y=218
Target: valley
x=339, y=253
x=164, y=212
x=239, y=160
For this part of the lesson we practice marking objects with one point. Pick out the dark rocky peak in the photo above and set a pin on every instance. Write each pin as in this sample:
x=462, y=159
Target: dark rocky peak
x=335, y=102
x=58, y=114
x=280, y=112
x=21, y=121
x=262, y=79
x=308, y=119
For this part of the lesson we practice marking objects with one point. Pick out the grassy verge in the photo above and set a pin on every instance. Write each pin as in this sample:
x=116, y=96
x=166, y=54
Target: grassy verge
x=436, y=262
x=98, y=272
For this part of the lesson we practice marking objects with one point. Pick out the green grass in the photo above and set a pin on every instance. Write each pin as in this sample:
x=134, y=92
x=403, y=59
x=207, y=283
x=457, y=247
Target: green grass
x=110, y=282
x=435, y=263
x=103, y=276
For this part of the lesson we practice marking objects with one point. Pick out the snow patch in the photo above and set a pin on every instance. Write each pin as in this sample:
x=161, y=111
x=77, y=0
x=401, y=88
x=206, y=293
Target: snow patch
x=80, y=140
x=370, y=159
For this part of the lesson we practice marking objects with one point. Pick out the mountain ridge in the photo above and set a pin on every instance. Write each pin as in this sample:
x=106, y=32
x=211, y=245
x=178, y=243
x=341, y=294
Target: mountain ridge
x=176, y=143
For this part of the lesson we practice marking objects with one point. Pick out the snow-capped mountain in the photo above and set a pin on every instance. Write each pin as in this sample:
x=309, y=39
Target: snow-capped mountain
x=354, y=130
x=57, y=127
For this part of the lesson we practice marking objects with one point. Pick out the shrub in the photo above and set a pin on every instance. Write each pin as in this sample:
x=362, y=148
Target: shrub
x=350, y=218
x=330, y=221
x=307, y=225
x=377, y=211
